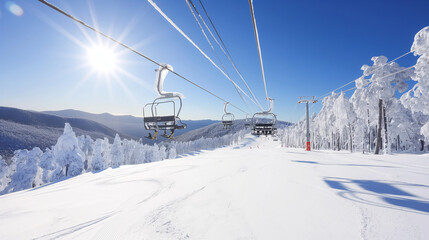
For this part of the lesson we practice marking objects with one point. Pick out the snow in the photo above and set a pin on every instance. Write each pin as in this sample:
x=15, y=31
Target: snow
x=252, y=190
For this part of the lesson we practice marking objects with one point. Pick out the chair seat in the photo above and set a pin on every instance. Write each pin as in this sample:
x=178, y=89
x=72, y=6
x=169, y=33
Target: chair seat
x=263, y=124
x=162, y=123
x=266, y=130
x=160, y=119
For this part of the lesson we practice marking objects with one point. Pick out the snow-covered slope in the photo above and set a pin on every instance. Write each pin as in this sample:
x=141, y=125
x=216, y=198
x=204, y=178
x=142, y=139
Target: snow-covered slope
x=255, y=190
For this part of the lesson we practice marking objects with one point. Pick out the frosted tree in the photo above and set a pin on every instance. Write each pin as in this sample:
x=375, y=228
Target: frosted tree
x=4, y=168
x=172, y=151
x=139, y=153
x=105, y=150
x=97, y=162
x=5, y=172
x=324, y=123
x=365, y=112
x=345, y=118
x=86, y=145
x=404, y=131
x=162, y=153
x=27, y=170
x=69, y=156
x=425, y=131
x=51, y=171
x=128, y=146
x=417, y=99
x=152, y=154
x=386, y=79
x=117, y=152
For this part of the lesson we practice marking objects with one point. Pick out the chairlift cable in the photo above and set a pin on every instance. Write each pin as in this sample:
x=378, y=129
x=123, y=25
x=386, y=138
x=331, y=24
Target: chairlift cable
x=157, y=8
x=211, y=45
x=224, y=48
x=255, y=29
x=133, y=50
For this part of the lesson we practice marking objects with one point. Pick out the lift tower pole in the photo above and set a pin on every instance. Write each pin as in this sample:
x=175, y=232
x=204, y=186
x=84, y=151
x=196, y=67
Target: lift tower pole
x=306, y=100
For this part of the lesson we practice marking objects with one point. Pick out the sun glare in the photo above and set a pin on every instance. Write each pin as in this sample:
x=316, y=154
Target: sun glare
x=102, y=59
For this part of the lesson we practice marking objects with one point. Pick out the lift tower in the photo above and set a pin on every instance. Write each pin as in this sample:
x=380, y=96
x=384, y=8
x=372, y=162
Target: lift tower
x=306, y=100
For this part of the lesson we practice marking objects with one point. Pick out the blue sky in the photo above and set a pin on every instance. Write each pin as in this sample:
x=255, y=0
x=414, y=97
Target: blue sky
x=308, y=48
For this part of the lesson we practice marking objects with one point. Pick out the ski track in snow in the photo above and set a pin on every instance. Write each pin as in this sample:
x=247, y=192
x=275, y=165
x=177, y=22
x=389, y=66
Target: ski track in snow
x=254, y=190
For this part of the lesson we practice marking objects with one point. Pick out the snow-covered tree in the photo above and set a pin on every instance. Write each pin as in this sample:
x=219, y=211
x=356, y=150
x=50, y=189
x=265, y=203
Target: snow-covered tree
x=68, y=155
x=162, y=152
x=172, y=151
x=117, y=152
x=152, y=154
x=128, y=151
x=417, y=99
x=27, y=170
x=4, y=174
x=345, y=118
x=86, y=145
x=98, y=160
x=386, y=79
x=105, y=150
x=425, y=131
x=51, y=172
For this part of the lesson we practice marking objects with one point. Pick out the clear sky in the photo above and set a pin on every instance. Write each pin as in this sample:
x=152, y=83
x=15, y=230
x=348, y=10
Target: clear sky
x=309, y=47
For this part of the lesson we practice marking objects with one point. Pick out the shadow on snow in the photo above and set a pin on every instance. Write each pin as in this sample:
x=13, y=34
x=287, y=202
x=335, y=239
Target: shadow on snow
x=339, y=164
x=380, y=193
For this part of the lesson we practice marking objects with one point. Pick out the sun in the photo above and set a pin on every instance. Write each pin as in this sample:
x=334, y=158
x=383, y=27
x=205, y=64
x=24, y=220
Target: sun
x=102, y=59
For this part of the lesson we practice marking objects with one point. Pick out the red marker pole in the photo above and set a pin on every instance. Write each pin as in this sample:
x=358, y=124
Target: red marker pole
x=307, y=145
x=307, y=135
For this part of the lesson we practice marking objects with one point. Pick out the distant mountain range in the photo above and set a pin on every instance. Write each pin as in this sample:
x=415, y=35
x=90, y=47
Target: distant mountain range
x=127, y=124
x=22, y=129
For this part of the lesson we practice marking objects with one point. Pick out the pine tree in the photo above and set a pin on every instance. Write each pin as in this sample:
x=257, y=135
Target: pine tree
x=117, y=152
x=68, y=154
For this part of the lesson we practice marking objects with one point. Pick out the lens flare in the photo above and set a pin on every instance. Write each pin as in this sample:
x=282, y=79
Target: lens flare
x=14, y=8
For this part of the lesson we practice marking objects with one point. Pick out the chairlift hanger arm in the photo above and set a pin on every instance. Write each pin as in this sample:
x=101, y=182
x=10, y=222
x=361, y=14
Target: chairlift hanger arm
x=271, y=105
x=224, y=108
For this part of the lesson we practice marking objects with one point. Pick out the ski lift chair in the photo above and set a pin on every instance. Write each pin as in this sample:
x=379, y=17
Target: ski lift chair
x=153, y=120
x=264, y=123
x=227, y=118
